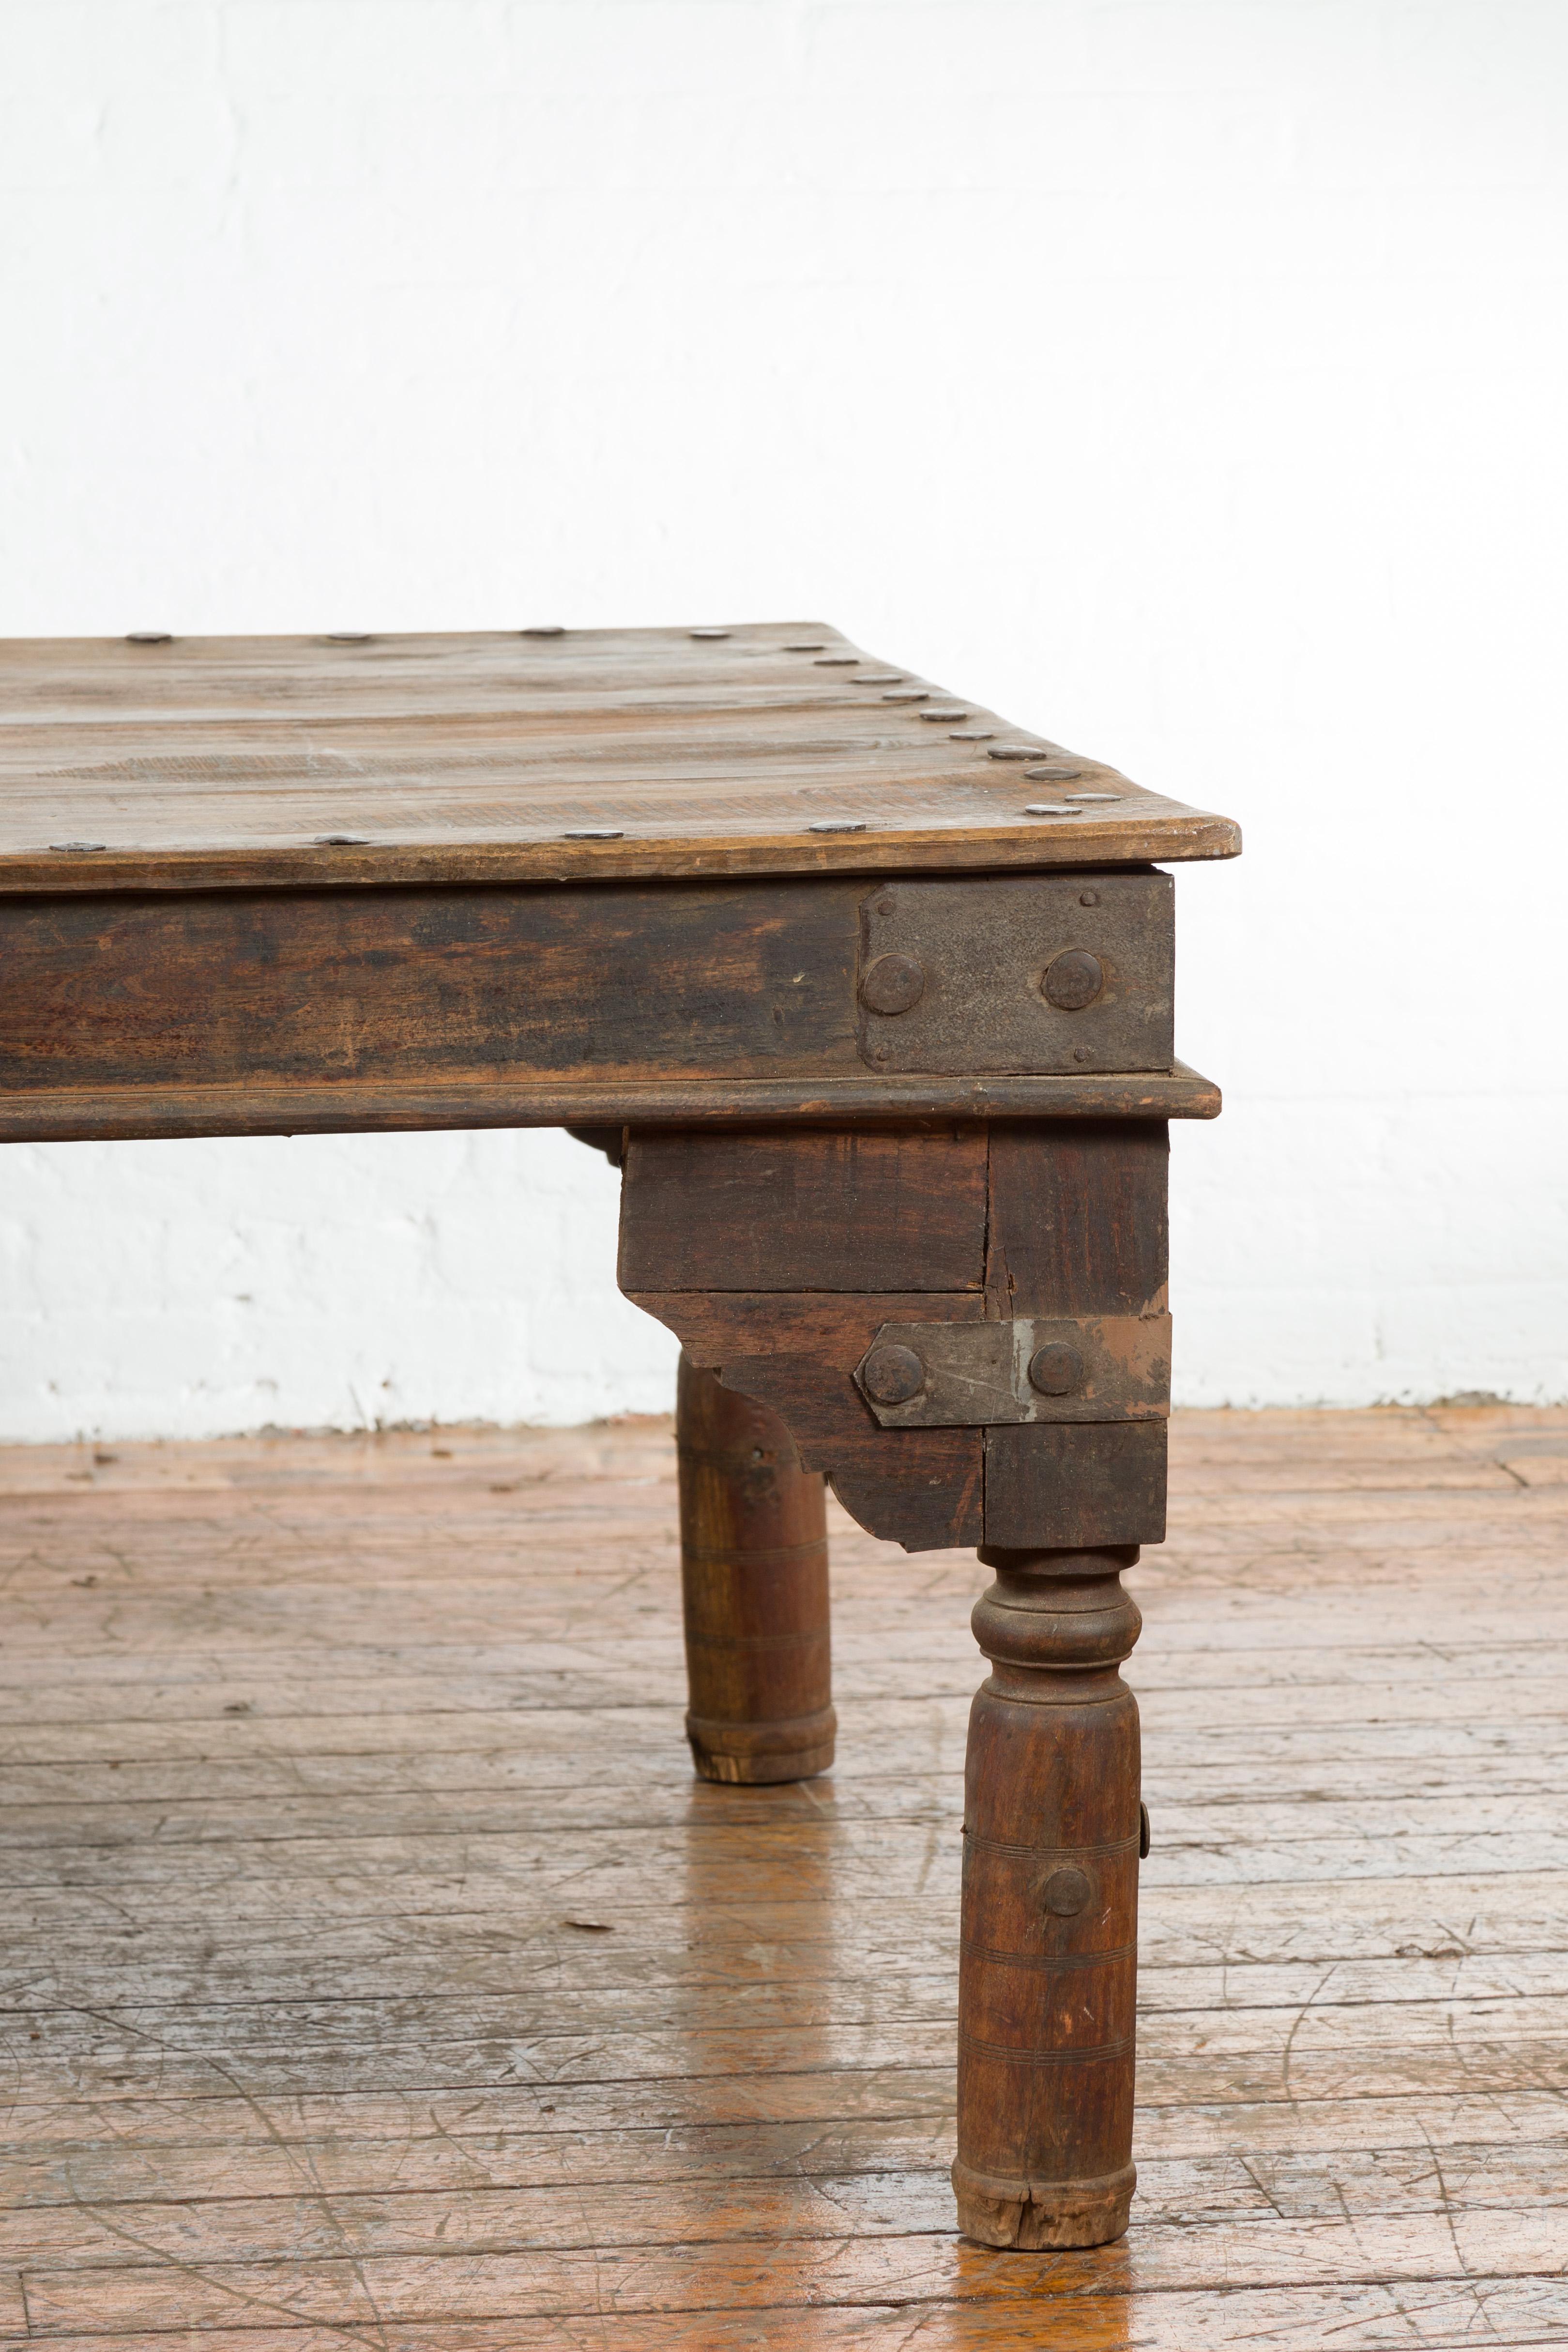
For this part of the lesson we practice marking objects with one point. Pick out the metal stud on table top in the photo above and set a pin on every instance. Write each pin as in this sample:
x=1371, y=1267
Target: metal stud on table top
x=342, y=840
x=1018, y=751
x=941, y=712
x=836, y=661
x=837, y=824
x=149, y=638
x=880, y=677
x=808, y=645
x=594, y=833
x=707, y=633
x=1052, y=775
x=544, y=629
x=76, y=848
x=348, y=637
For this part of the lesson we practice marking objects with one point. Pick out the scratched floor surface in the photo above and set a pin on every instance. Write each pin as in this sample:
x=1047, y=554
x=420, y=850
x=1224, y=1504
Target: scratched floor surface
x=376, y=1974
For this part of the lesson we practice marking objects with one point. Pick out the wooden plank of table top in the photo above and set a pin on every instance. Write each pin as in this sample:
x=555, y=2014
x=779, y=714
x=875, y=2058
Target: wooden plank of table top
x=319, y=2059
x=217, y=762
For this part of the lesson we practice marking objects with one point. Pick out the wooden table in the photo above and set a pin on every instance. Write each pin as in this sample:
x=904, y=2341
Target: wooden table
x=868, y=993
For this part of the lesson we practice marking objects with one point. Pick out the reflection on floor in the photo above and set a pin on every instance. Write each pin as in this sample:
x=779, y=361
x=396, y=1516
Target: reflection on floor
x=377, y=1975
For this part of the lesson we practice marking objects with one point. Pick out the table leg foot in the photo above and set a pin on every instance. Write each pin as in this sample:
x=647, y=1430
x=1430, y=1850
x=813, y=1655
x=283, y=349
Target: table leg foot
x=1048, y=1961
x=754, y=1576
x=1037, y=2215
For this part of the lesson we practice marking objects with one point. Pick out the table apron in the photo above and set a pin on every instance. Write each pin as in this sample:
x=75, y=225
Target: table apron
x=332, y=1010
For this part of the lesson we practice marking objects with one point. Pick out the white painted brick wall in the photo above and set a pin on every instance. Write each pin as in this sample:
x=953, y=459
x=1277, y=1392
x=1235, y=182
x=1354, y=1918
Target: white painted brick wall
x=1188, y=379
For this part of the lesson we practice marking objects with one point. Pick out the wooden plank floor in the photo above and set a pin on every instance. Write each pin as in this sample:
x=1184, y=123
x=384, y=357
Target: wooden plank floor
x=376, y=1974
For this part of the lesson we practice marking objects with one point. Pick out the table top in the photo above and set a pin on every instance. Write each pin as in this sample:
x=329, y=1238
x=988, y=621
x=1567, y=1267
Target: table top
x=533, y=756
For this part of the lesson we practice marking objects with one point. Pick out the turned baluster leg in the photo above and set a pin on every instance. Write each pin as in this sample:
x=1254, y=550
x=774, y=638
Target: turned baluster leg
x=754, y=1576
x=1048, y=1978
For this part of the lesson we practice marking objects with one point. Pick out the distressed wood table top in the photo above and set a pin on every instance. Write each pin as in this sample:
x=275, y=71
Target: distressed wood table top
x=532, y=756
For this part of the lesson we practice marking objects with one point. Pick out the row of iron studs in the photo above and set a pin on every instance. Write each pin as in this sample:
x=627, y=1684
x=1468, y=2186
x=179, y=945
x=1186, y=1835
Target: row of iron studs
x=824, y=660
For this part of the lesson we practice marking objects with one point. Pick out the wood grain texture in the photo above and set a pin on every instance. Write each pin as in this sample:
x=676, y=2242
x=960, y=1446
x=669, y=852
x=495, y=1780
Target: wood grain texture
x=1048, y=1944
x=814, y=1211
x=313, y=1749
x=1078, y=1221
x=257, y=1011
x=1078, y=1225
x=223, y=763
x=1090, y=1483
x=355, y=1106
x=754, y=1591
x=425, y=988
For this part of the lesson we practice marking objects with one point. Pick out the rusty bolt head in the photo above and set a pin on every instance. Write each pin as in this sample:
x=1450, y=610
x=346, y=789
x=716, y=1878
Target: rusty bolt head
x=1073, y=980
x=891, y=1375
x=1056, y=1369
x=1065, y=1893
x=891, y=984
